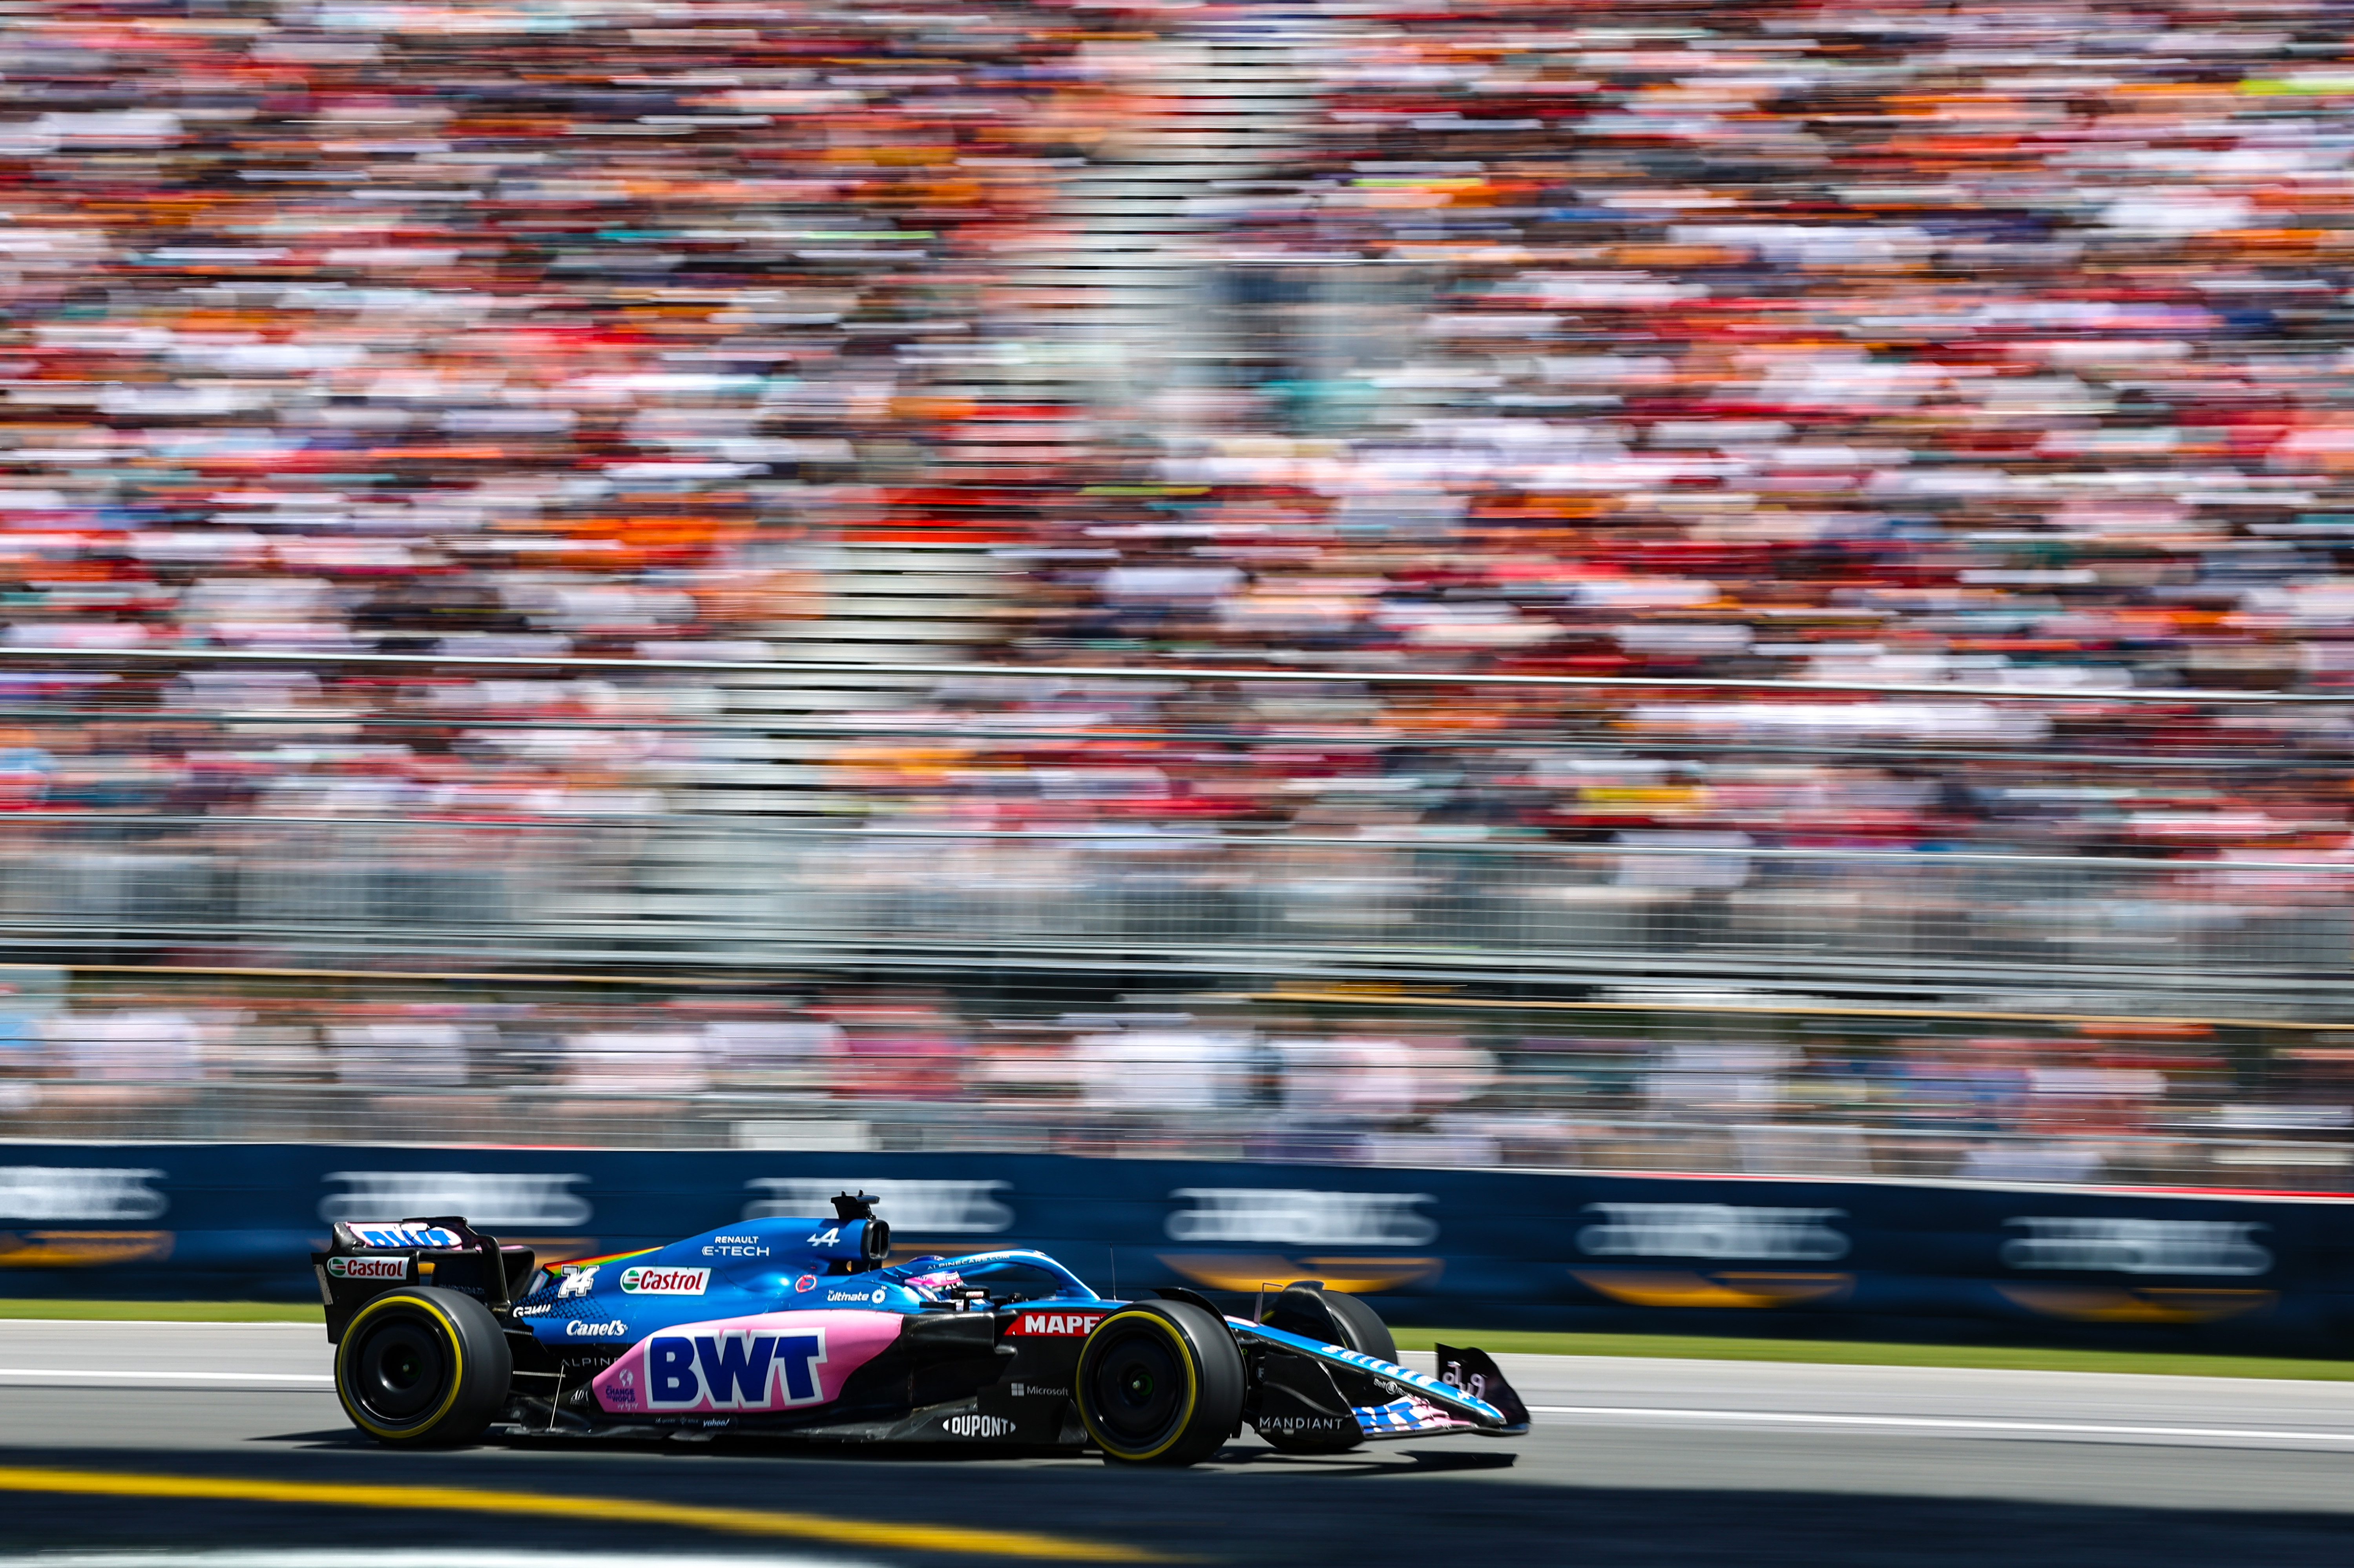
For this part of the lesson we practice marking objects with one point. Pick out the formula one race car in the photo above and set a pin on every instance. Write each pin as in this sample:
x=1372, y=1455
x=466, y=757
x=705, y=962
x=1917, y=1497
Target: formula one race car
x=797, y=1327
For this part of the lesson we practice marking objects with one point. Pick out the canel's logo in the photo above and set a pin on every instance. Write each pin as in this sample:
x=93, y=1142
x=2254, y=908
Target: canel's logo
x=913, y=1208
x=1291, y=1216
x=78, y=1192
x=579, y=1330
x=735, y=1369
x=2106, y=1245
x=485, y=1197
x=1713, y=1230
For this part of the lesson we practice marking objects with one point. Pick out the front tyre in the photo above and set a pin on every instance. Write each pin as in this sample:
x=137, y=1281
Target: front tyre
x=423, y=1366
x=1160, y=1383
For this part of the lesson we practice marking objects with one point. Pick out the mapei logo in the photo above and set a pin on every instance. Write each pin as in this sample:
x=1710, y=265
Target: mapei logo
x=368, y=1267
x=2138, y=1246
x=1054, y=1325
x=736, y=1369
x=1713, y=1230
x=1288, y=1216
x=488, y=1198
x=913, y=1208
x=644, y=1281
x=78, y=1192
x=978, y=1427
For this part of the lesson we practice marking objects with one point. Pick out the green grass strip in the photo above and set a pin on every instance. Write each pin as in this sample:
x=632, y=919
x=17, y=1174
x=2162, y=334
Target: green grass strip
x=167, y=1311
x=1850, y=1352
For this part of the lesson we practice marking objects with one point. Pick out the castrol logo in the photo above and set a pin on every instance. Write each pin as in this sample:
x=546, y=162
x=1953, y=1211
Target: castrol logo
x=642, y=1281
x=368, y=1267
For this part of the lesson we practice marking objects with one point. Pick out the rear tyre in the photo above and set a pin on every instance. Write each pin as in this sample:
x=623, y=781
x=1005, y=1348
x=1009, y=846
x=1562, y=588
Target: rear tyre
x=423, y=1366
x=1160, y=1383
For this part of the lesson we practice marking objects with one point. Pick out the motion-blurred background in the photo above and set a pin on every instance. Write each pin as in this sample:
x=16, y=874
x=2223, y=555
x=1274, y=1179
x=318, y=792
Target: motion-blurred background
x=1705, y=587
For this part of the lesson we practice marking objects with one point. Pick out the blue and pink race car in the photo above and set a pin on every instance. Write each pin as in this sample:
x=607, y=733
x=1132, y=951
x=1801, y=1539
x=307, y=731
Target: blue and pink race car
x=800, y=1328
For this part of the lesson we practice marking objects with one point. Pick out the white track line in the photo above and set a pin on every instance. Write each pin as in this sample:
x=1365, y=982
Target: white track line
x=1941, y=1423
x=309, y=1380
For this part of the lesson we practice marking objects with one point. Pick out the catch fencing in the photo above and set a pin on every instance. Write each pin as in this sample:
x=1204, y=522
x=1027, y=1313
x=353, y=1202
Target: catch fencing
x=735, y=894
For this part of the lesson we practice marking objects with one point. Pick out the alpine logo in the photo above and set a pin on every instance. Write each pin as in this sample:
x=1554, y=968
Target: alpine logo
x=1054, y=1325
x=368, y=1267
x=664, y=1281
x=978, y=1427
x=735, y=1369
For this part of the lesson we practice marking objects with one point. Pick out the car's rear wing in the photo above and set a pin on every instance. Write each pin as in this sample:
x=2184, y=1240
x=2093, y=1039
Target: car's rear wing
x=364, y=1258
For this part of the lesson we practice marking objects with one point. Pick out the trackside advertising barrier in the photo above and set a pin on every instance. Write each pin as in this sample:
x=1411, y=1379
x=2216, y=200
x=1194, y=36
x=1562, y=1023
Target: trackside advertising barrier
x=1649, y=1254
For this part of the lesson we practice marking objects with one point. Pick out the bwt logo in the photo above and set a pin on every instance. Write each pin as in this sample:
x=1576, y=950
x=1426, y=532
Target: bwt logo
x=1288, y=1216
x=913, y=1208
x=78, y=1192
x=2138, y=1246
x=736, y=1369
x=1713, y=1230
x=484, y=1197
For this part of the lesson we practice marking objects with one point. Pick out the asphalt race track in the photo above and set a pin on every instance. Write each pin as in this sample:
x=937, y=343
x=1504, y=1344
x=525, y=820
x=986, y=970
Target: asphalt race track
x=176, y=1437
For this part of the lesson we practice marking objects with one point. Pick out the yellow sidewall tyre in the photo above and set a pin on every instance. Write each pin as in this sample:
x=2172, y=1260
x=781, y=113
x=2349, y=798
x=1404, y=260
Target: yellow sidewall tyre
x=1160, y=1383
x=423, y=1366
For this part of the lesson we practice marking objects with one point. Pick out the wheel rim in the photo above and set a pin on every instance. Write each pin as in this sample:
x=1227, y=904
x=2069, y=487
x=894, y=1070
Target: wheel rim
x=1138, y=1388
x=398, y=1370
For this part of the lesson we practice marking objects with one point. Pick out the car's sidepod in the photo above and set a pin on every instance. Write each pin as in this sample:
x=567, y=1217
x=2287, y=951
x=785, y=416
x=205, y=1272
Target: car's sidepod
x=769, y=1361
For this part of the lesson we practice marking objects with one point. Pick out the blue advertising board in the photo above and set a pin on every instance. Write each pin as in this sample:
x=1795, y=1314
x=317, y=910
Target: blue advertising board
x=1647, y=1254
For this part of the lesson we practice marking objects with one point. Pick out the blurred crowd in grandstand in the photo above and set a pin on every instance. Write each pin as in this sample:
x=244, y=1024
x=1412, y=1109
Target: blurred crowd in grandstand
x=1996, y=345
x=2001, y=347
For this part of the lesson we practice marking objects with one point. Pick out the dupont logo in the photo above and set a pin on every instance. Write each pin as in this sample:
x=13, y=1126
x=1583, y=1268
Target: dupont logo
x=978, y=1427
x=642, y=1281
x=1056, y=1325
x=368, y=1267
